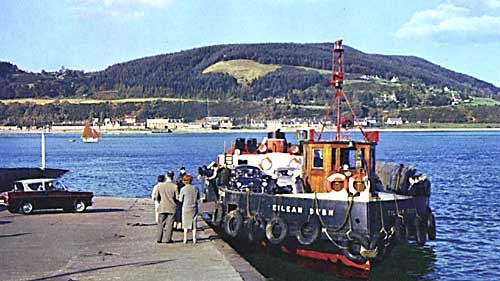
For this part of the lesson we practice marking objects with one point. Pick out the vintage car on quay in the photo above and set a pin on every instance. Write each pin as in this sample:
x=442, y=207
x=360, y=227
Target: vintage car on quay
x=38, y=194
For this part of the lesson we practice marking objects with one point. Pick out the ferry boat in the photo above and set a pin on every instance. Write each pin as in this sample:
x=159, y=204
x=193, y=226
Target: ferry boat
x=323, y=199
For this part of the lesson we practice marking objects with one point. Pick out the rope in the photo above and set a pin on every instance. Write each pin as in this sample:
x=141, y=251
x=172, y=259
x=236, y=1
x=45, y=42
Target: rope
x=325, y=231
x=354, y=115
x=249, y=213
x=346, y=217
x=382, y=229
x=397, y=207
x=327, y=115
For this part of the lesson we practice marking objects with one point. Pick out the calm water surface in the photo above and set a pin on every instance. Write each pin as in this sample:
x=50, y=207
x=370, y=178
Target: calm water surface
x=464, y=168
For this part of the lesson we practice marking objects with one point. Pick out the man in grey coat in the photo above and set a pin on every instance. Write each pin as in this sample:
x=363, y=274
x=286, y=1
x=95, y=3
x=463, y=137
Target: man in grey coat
x=166, y=195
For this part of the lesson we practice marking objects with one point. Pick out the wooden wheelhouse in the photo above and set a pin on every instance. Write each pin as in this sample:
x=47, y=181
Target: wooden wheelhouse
x=344, y=159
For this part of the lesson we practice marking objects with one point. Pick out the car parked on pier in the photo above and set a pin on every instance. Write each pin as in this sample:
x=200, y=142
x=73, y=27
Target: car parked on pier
x=37, y=194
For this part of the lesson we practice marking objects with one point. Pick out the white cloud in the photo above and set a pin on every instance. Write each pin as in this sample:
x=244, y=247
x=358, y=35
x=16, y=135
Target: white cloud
x=455, y=20
x=122, y=10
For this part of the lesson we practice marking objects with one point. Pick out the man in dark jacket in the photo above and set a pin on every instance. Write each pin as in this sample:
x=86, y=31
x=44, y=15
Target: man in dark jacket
x=180, y=185
x=166, y=195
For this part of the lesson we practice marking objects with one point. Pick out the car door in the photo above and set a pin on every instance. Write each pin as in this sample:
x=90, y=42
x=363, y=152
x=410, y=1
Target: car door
x=38, y=196
x=58, y=196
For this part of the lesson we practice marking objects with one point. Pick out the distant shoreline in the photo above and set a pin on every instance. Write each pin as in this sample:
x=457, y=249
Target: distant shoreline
x=210, y=131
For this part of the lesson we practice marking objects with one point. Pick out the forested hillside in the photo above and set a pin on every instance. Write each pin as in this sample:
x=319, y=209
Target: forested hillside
x=297, y=73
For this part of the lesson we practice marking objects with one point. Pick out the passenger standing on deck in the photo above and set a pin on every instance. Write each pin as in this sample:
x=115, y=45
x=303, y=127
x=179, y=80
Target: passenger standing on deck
x=166, y=194
x=161, y=179
x=223, y=178
x=180, y=185
x=189, y=197
x=212, y=183
x=202, y=176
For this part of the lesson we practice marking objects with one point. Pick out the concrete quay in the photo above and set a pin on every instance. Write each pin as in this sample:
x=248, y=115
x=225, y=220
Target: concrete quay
x=113, y=240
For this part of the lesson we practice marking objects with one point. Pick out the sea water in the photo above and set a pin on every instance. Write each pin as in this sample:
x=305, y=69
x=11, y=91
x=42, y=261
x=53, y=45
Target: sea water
x=464, y=168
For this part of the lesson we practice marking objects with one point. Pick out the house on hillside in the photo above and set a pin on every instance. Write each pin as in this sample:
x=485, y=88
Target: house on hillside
x=257, y=124
x=274, y=124
x=129, y=120
x=219, y=121
x=394, y=121
x=163, y=123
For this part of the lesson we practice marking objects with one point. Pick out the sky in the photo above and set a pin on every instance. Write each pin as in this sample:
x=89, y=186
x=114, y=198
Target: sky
x=90, y=35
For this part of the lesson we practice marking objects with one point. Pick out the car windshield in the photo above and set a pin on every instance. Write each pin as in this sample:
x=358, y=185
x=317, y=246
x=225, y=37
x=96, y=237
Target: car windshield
x=57, y=185
x=247, y=172
x=284, y=173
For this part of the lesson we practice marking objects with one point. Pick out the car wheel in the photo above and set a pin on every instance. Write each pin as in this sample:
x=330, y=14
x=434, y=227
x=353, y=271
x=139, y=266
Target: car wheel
x=80, y=206
x=26, y=208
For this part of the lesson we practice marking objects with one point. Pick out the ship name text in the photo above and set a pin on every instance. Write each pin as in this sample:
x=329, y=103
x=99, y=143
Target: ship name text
x=300, y=210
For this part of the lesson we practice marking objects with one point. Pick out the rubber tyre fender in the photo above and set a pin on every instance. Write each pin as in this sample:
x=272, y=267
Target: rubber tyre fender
x=309, y=232
x=276, y=222
x=256, y=229
x=360, y=239
x=378, y=243
x=420, y=231
x=218, y=214
x=350, y=253
x=431, y=226
x=232, y=223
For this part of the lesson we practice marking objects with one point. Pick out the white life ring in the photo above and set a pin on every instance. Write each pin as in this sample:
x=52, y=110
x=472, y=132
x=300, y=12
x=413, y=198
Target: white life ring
x=335, y=179
x=366, y=184
x=266, y=164
x=294, y=163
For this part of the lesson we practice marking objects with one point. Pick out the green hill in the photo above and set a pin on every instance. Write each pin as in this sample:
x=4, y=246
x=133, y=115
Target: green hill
x=236, y=74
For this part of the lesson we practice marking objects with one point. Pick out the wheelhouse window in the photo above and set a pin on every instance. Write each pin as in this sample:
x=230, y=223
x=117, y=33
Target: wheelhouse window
x=361, y=160
x=334, y=157
x=317, y=158
x=348, y=157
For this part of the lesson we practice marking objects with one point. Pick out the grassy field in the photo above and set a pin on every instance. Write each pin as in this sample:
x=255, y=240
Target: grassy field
x=321, y=71
x=435, y=125
x=483, y=101
x=96, y=101
x=245, y=71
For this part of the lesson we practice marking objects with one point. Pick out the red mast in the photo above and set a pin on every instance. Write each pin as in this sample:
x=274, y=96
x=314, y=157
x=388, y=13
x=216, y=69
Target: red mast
x=337, y=81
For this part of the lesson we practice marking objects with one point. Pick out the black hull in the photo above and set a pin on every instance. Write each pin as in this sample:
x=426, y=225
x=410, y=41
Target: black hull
x=356, y=233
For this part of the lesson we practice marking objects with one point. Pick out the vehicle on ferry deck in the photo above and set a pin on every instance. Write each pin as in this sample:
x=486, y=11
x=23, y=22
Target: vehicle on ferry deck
x=250, y=178
x=45, y=193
